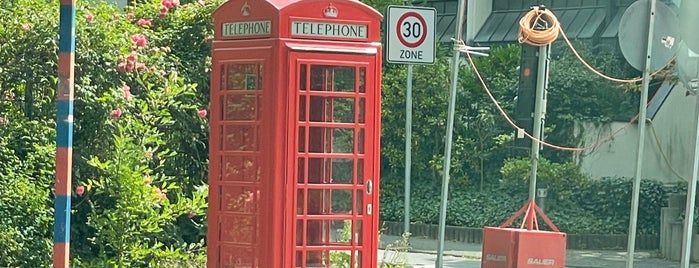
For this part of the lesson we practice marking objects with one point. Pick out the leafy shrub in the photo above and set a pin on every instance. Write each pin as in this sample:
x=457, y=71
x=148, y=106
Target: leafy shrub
x=118, y=218
x=610, y=199
x=561, y=179
x=25, y=175
x=591, y=206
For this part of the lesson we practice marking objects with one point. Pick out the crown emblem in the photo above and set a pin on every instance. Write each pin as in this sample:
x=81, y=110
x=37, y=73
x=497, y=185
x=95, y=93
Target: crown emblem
x=330, y=11
x=245, y=10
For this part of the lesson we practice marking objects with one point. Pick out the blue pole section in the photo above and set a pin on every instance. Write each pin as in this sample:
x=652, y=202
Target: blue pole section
x=64, y=134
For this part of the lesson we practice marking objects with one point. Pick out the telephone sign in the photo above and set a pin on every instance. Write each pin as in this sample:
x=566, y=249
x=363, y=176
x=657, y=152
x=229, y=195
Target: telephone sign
x=410, y=35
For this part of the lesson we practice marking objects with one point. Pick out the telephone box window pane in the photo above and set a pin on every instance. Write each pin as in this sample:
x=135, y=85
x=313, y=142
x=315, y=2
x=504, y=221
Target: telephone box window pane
x=341, y=258
x=317, y=259
x=240, y=107
x=360, y=141
x=237, y=257
x=299, y=235
x=300, y=203
x=238, y=229
x=362, y=111
x=359, y=205
x=342, y=232
x=243, y=77
x=332, y=78
x=362, y=79
x=302, y=171
x=343, y=140
x=240, y=199
x=317, y=232
x=328, y=109
x=302, y=140
x=302, y=108
x=329, y=201
x=240, y=168
x=239, y=138
x=341, y=201
x=344, y=79
x=342, y=171
x=303, y=78
x=358, y=233
x=360, y=171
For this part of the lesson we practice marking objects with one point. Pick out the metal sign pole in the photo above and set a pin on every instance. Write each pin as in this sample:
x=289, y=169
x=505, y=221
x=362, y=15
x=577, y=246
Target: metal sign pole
x=408, y=146
x=450, y=130
x=692, y=196
x=641, y=140
x=539, y=110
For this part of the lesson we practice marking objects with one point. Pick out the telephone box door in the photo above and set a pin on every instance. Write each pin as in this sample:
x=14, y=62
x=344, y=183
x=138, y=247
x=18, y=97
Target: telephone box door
x=334, y=100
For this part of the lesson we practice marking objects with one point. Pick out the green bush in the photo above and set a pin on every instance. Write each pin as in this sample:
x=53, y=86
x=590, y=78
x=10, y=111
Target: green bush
x=585, y=207
x=25, y=176
x=561, y=179
x=158, y=132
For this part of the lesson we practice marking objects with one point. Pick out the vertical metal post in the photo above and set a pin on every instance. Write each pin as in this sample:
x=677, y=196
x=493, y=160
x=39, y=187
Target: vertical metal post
x=64, y=134
x=539, y=109
x=450, y=129
x=630, y=248
x=408, y=146
x=692, y=197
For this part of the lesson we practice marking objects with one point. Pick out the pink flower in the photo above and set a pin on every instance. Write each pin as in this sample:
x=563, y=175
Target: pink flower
x=130, y=16
x=201, y=2
x=127, y=92
x=140, y=66
x=116, y=113
x=175, y=3
x=191, y=214
x=140, y=40
x=133, y=56
x=146, y=179
x=3, y=121
x=149, y=155
x=167, y=4
x=80, y=190
x=26, y=27
x=160, y=193
x=202, y=113
x=121, y=67
x=163, y=12
x=90, y=17
x=130, y=66
x=145, y=22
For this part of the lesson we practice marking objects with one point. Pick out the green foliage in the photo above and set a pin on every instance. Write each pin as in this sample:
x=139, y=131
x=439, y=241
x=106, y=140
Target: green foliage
x=585, y=207
x=476, y=148
x=25, y=176
x=560, y=179
x=610, y=199
x=157, y=135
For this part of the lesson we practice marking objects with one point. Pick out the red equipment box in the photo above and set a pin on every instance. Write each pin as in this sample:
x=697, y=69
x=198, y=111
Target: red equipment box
x=523, y=248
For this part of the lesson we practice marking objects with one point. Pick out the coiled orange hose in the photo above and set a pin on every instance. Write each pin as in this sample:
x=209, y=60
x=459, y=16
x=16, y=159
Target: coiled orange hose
x=528, y=32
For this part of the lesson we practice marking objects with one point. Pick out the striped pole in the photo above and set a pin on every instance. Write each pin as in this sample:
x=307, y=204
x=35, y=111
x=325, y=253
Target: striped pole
x=64, y=134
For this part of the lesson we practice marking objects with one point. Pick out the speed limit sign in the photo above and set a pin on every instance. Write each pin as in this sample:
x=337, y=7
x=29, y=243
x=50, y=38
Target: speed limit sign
x=410, y=35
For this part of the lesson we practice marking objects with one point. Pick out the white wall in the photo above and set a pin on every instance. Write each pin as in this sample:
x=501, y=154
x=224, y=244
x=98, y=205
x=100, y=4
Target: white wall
x=674, y=125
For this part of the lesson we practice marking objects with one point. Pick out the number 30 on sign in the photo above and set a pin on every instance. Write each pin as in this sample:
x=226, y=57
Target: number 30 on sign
x=410, y=35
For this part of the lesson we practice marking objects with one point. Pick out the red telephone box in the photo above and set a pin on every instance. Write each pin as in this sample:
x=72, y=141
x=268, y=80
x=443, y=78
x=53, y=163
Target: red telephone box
x=295, y=124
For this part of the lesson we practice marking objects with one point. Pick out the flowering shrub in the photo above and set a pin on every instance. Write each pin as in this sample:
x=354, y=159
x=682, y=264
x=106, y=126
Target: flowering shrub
x=140, y=134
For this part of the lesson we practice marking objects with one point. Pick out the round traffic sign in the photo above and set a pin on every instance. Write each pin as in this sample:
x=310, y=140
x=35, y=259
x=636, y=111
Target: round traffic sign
x=411, y=29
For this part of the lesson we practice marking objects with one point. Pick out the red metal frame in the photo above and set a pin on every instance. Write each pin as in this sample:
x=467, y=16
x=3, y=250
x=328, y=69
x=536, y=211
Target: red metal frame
x=279, y=187
x=313, y=157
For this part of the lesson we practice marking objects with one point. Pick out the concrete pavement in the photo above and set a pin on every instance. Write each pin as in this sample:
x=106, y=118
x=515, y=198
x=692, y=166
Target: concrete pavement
x=423, y=254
